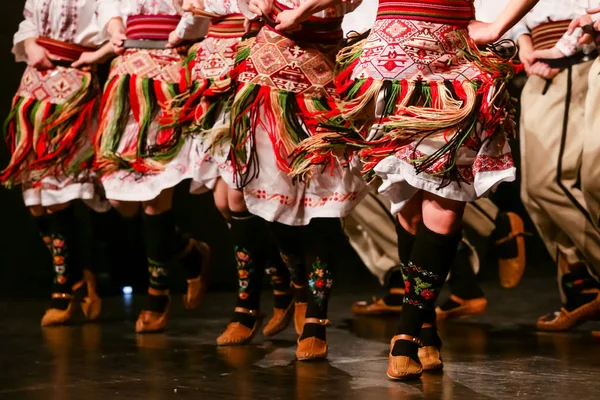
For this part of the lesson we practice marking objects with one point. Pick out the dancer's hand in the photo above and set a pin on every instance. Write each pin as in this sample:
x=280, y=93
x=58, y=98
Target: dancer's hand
x=543, y=70
x=483, y=32
x=86, y=60
x=37, y=56
x=261, y=7
x=118, y=41
x=526, y=52
x=580, y=22
x=191, y=5
x=288, y=20
x=116, y=29
x=174, y=40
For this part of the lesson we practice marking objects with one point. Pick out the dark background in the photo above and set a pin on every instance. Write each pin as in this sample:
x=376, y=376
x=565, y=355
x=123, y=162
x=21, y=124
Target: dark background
x=25, y=268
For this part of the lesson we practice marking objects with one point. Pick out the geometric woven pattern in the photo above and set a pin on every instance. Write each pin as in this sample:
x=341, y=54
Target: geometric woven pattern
x=278, y=62
x=163, y=65
x=54, y=86
x=215, y=58
x=408, y=49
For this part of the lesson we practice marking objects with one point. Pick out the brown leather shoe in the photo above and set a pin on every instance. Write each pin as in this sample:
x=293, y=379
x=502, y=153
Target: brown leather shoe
x=402, y=368
x=239, y=334
x=430, y=358
x=564, y=320
x=196, y=288
x=280, y=321
x=377, y=307
x=312, y=348
x=299, y=317
x=465, y=308
x=152, y=321
x=92, y=304
x=54, y=316
x=511, y=269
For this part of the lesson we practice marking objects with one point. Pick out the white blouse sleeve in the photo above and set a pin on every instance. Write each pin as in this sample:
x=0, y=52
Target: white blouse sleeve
x=27, y=29
x=191, y=27
x=107, y=10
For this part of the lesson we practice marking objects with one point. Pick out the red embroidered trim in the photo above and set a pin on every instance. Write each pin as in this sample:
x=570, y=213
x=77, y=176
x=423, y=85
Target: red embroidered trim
x=151, y=27
x=451, y=12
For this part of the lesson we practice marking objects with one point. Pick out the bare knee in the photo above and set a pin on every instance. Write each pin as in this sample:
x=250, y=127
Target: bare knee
x=162, y=203
x=443, y=216
x=127, y=209
x=220, y=194
x=236, y=200
x=37, y=211
x=57, y=208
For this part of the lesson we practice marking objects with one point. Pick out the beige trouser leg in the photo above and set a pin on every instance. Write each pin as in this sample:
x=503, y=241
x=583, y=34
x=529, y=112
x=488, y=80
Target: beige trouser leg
x=481, y=216
x=551, y=163
x=372, y=233
x=590, y=162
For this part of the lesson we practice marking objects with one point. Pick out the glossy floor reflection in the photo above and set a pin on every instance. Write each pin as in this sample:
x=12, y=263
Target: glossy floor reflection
x=497, y=356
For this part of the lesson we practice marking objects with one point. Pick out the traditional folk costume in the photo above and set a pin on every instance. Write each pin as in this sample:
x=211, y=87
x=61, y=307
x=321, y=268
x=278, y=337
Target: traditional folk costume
x=432, y=115
x=48, y=133
x=140, y=156
x=204, y=111
x=553, y=138
x=284, y=82
x=371, y=228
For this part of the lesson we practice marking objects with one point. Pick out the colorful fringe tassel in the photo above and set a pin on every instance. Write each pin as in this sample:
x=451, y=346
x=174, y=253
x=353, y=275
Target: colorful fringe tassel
x=43, y=137
x=413, y=111
x=148, y=100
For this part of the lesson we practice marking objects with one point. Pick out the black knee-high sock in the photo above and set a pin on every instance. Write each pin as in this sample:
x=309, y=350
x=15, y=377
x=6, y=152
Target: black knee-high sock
x=161, y=247
x=324, y=236
x=395, y=278
x=463, y=282
x=66, y=256
x=43, y=224
x=279, y=275
x=247, y=234
x=188, y=255
x=428, y=267
x=291, y=242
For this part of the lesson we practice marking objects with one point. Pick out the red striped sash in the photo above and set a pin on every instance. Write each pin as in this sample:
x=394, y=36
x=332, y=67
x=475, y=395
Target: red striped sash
x=545, y=36
x=230, y=26
x=151, y=27
x=313, y=30
x=451, y=12
x=61, y=50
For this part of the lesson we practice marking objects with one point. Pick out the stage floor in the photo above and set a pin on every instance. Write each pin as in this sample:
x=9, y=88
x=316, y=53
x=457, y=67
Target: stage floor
x=498, y=355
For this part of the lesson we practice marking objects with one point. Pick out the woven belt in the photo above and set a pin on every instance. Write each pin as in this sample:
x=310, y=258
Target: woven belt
x=545, y=36
x=62, y=51
x=451, y=12
x=151, y=27
x=230, y=26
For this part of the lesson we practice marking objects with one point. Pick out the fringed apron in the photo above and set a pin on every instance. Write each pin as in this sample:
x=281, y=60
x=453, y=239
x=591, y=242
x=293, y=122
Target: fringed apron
x=433, y=107
x=204, y=109
x=49, y=130
x=138, y=152
x=285, y=84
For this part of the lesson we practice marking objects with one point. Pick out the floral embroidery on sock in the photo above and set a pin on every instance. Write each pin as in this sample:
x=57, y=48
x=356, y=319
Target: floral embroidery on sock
x=420, y=286
x=320, y=281
x=59, y=253
x=244, y=265
x=159, y=275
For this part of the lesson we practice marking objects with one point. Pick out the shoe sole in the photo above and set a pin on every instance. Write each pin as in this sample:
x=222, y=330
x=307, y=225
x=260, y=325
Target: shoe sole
x=462, y=311
x=409, y=377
